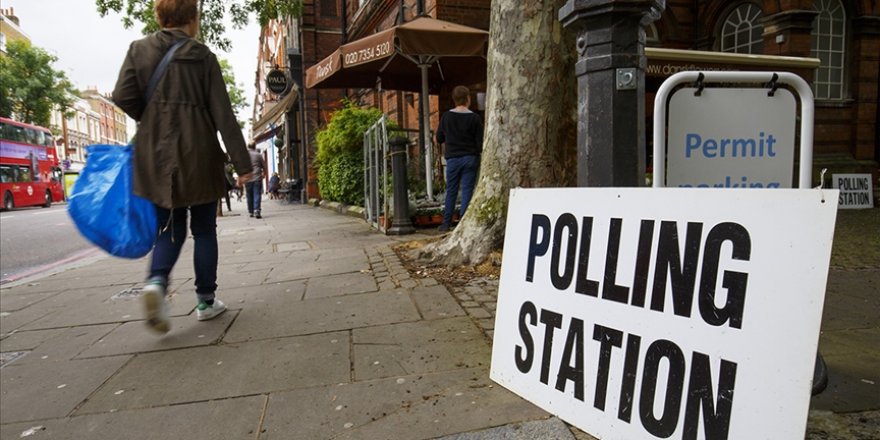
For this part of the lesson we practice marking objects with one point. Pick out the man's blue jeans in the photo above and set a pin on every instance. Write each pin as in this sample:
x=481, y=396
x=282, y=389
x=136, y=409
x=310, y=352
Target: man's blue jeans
x=172, y=234
x=459, y=171
x=254, y=191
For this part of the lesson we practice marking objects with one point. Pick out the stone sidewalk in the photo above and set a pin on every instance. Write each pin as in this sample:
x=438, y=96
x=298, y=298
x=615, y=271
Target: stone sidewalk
x=328, y=336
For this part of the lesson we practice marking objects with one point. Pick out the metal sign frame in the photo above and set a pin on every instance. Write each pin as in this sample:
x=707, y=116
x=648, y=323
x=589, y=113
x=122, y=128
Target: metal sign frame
x=771, y=79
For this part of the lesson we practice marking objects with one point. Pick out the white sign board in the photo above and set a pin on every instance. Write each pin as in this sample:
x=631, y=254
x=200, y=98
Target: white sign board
x=665, y=313
x=856, y=191
x=731, y=138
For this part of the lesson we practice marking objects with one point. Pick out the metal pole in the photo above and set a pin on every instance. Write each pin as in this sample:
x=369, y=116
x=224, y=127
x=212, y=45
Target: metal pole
x=400, y=223
x=426, y=133
x=611, y=88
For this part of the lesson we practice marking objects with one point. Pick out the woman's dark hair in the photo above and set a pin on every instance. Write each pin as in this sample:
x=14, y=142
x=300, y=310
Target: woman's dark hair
x=176, y=13
x=460, y=95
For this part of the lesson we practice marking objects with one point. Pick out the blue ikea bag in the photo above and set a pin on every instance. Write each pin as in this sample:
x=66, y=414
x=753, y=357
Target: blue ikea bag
x=104, y=207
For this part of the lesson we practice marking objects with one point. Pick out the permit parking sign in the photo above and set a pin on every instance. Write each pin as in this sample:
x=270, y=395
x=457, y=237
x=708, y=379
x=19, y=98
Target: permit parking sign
x=637, y=313
x=731, y=138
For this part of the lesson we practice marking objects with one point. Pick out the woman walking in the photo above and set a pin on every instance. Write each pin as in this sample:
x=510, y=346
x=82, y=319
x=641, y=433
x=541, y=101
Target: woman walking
x=178, y=162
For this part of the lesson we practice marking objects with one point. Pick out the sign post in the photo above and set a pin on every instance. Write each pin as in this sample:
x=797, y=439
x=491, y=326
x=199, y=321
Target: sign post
x=638, y=313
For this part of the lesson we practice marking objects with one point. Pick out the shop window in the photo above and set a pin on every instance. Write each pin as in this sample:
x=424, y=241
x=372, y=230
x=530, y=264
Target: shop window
x=742, y=31
x=828, y=45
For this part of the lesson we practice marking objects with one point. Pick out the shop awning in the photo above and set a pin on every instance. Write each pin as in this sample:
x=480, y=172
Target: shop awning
x=276, y=113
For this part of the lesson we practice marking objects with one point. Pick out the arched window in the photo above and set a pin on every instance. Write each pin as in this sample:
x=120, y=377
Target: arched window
x=828, y=38
x=741, y=31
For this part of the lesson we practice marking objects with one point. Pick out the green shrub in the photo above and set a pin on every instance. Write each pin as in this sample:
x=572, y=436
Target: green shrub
x=345, y=131
x=340, y=158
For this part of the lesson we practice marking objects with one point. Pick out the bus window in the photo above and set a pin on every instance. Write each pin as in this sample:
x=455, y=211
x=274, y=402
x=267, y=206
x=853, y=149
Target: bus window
x=15, y=133
x=24, y=174
x=7, y=174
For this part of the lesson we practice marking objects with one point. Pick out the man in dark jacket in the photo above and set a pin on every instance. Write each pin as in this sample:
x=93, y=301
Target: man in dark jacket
x=254, y=187
x=178, y=161
x=461, y=134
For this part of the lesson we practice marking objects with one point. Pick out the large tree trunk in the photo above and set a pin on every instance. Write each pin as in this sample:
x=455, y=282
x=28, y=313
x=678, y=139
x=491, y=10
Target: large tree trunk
x=531, y=126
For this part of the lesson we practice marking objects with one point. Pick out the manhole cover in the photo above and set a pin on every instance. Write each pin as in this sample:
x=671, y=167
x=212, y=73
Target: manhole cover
x=9, y=356
x=131, y=292
x=295, y=246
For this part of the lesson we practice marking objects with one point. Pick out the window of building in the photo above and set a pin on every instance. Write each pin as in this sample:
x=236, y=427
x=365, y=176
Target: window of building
x=828, y=45
x=742, y=31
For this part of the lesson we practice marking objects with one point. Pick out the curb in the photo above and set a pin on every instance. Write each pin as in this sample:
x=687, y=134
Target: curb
x=340, y=208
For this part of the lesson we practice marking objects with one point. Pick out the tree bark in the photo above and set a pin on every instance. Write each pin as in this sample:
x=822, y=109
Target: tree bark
x=531, y=124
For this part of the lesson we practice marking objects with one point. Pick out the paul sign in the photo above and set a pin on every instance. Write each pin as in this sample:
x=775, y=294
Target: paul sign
x=277, y=82
x=665, y=313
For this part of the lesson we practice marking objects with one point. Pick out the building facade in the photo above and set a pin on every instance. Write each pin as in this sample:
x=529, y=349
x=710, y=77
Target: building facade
x=833, y=44
x=10, y=29
x=843, y=35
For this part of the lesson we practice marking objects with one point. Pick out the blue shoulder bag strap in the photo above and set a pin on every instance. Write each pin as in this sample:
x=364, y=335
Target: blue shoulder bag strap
x=160, y=70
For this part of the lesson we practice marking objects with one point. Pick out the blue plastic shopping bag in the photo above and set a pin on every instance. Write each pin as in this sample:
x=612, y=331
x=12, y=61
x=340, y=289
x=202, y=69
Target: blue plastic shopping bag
x=104, y=207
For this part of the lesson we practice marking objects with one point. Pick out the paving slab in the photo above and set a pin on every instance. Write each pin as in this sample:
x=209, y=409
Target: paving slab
x=321, y=315
x=135, y=337
x=338, y=285
x=56, y=344
x=289, y=272
x=217, y=419
x=75, y=282
x=228, y=280
x=405, y=407
x=101, y=309
x=226, y=370
x=847, y=312
x=12, y=321
x=51, y=389
x=418, y=347
x=550, y=429
x=853, y=383
x=436, y=302
x=263, y=295
x=14, y=302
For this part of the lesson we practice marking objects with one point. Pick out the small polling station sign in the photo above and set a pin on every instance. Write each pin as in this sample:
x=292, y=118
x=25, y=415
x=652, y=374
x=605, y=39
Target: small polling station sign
x=638, y=313
x=856, y=191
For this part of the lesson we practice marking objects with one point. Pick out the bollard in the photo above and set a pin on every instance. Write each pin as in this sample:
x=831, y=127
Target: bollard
x=611, y=87
x=400, y=223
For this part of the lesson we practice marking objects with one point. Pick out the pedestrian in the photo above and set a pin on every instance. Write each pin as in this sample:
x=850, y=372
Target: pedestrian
x=253, y=189
x=461, y=135
x=230, y=184
x=274, y=183
x=178, y=163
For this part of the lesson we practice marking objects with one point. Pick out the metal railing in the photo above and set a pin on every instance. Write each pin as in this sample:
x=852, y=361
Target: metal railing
x=377, y=170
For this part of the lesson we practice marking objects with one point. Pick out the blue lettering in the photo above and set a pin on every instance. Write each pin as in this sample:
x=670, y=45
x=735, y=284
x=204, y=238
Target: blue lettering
x=760, y=146
x=693, y=142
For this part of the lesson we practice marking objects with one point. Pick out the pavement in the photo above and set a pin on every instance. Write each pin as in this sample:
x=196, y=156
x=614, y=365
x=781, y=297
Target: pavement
x=328, y=336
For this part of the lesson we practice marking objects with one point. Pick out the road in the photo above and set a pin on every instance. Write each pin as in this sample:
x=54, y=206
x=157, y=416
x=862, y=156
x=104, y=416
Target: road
x=35, y=239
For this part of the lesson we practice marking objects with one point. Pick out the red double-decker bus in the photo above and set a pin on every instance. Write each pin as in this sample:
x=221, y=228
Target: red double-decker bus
x=29, y=171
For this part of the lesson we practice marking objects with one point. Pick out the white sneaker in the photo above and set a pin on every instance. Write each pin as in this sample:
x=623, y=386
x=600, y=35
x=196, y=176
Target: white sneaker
x=156, y=308
x=205, y=312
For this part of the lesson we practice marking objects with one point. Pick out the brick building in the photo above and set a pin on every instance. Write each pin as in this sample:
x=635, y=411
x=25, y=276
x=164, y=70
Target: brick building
x=836, y=42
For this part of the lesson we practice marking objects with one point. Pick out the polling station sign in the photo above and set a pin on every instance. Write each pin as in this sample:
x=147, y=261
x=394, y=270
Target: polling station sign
x=665, y=313
x=731, y=138
x=856, y=191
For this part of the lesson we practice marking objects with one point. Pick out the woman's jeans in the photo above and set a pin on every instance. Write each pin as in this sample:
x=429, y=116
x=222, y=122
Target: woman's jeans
x=459, y=171
x=254, y=191
x=172, y=234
